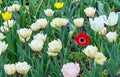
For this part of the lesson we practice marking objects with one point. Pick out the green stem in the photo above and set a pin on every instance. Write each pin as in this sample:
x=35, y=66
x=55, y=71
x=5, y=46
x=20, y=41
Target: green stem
x=38, y=8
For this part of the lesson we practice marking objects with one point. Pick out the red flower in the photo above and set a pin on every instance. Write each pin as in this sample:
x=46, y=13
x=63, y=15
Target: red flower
x=82, y=39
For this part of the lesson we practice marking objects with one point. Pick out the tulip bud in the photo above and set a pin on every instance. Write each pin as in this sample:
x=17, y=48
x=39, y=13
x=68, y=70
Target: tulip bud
x=40, y=36
x=1, y=36
x=3, y=46
x=9, y=69
x=78, y=22
x=100, y=58
x=111, y=36
x=22, y=67
x=103, y=31
x=90, y=11
x=54, y=47
x=9, y=23
x=90, y=51
x=4, y=29
x=36, y=45
x=24, y=34
x=16, y=7
x=49, y=12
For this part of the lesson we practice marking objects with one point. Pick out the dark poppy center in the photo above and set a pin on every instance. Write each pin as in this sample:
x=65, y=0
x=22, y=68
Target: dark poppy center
x=82, y=40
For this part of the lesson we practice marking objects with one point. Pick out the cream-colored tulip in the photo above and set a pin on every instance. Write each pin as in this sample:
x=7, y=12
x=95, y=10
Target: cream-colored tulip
x=9, y=23
x=16, y=7
x=22, y=67
x=112, y=19
x=59, y=22
x=55, y=46
x=42, y=23
x=9, y=69
x=40, y=36
x=100, y=58
x=35, y=27
x=90, y=51
x=90, y=11
x=103, y=31
x=36, y=45
x=3, y=46
x=49, y=12
x=1, y=36
x=97, y=24
x=78, y=22
x=24, y=34
x=112, y=36
x=4, y=29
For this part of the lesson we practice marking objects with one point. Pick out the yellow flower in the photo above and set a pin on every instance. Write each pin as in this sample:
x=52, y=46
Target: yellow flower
x=1, y=2
x=6, y=16
x=58, y=5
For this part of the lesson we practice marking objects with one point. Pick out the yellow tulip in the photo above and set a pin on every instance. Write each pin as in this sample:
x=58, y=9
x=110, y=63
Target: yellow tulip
x=6, y=16
x=58, y=5
x=1, y=2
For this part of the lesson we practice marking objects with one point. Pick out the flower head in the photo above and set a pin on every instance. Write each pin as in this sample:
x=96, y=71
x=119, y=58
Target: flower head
x=78, y=22
x=59, y=5
x=49, y=12
x=112, y=36
x=90, y=51
x=82, y=39
x=90, y=11
x=97, y=24
x=1, y=36
x=70, y=69
x=24, y=34
x=36, y=45
x=112, y=19
x=7, y=15
x=100, y=58
x=22, y=67
x=54, y=47
x=9, y=69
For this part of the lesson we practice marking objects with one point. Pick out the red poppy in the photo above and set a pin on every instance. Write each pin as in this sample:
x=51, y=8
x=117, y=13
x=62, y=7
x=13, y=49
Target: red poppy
x=82, y=39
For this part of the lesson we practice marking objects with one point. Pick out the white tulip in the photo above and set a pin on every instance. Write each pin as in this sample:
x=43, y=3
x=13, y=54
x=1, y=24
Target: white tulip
x=36, y=45
x=9, y=69
x=40, y=36
x=97, y=24
x=55, y=46
x=35, y=27
x=9, y=23
x=42, y=23
x=59, y=22
x=78, y=22
x=16, y=7
x=100, y=58
x=49, y=12
x=111, y=36
x=3, y=46
x=1, y=36
x=4, y=29
x=90, y=11
x=90, y=51
x=103, y=31
x=112, y=19
x=24, y=34
x=22, y=67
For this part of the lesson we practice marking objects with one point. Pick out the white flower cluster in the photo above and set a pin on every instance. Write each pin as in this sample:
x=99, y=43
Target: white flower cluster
x=20, y=67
